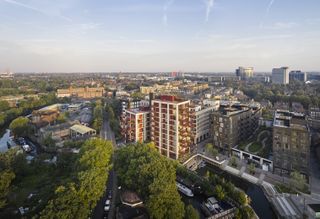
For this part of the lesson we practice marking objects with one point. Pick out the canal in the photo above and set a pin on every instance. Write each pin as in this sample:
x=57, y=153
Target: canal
x=4, y=137
x=259, y=202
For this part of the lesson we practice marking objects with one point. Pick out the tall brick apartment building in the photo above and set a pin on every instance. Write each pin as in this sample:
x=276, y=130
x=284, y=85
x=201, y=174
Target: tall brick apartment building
x=291, y=143
x=232, y=124
x=170, y=126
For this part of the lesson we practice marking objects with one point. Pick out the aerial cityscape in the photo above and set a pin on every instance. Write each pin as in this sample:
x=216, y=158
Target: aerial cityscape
x=165, y=109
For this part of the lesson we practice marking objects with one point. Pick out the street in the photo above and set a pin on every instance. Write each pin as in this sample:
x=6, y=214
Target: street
x=111, y=186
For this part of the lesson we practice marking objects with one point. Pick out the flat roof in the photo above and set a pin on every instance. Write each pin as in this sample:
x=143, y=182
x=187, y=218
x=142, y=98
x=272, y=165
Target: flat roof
x=81, y=129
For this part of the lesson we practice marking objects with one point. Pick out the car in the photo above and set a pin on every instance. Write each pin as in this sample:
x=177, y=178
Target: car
x=21, y=141
x=107, y=205
x=26, y=148
x=106, y=208
x=109, y=195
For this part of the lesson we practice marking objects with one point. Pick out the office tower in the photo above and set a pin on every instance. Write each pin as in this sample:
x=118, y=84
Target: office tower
x=170, y=126
x=244, y=73
x=232, y=124
x=280, y=75
x=297, y=76
x=291, y=143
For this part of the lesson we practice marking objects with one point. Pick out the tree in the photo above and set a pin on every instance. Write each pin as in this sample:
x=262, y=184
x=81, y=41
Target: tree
x=252, y=168
x=48, y=142
x=191, y=213
x=4, y=105
x=142, y=169
x=6, y=177
x=211, y=150
x=233, y=161
x=297, y=180
x=20, y=126
x=79, y=197
x=219, y=192
x=6, y=174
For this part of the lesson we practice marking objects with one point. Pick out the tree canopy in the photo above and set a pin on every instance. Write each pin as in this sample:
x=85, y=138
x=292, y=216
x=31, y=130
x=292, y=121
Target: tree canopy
x=20, y=126
x=142, y=169
x=77, y=198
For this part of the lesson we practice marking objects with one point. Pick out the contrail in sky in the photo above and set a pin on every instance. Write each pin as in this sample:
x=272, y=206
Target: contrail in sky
x=209, y=5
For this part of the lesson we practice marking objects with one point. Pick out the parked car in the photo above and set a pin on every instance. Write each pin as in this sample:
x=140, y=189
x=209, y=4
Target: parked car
x=21, y=141
x=107, y=205
x=109, y=195
x=26, y=148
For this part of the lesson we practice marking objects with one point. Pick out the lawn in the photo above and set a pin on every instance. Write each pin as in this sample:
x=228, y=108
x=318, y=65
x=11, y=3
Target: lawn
x=254, y=147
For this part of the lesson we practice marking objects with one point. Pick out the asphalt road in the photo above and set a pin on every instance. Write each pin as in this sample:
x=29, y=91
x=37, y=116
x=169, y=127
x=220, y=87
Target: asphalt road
x=98, y=213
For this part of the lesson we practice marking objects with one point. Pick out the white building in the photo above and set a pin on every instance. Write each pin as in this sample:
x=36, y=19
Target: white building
x=280, y=75
x=201, y=122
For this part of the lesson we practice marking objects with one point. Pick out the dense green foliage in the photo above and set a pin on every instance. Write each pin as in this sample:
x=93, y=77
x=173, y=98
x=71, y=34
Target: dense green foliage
x=6, y=174
x=113, y=109
x=191, y=213
x=97, y=116
x=213, y=151
x=142, y=169
x=68, y=188
x=20, y=126
x=77, y=198
x=298, y=181
x=296, y=92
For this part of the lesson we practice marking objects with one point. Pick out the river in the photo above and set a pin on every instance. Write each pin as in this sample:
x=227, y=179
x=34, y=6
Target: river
x=259, y=202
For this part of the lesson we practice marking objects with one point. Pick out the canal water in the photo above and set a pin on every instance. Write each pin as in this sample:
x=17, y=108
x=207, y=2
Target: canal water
x=259, y=201
x=4, y=137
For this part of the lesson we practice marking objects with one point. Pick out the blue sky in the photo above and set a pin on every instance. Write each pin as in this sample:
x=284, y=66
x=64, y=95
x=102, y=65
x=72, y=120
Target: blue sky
x=158, y=35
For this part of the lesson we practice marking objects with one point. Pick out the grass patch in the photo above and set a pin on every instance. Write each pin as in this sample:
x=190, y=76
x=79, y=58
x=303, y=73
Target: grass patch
x=254, y=147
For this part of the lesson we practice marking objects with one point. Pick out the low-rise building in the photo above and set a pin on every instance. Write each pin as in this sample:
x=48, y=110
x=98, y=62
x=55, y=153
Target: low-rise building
x=217, y=210
x=81, y=131
x=46, y=115
x=81, y=92
x=57, y=132
x=232, y=124
x=291, y=143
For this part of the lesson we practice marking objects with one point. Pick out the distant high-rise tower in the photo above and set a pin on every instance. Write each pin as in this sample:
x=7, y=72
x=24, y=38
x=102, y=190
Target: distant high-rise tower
x=244, y=72
x=297, y=76
x=280, y=75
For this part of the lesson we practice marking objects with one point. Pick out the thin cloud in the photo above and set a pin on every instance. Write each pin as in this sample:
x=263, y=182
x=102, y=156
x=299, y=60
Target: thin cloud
x=165, y=10
x=29, y=7
x=269, y=6
x=209, y=5
x=267, y=12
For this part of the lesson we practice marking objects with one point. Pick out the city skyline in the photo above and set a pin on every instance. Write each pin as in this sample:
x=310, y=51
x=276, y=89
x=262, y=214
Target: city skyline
x=174, y=35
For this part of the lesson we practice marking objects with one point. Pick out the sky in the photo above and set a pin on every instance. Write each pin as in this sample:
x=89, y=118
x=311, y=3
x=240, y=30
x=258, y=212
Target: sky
x=158, y=35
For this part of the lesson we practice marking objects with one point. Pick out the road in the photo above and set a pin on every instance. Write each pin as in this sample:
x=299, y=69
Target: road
x=98, y=213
